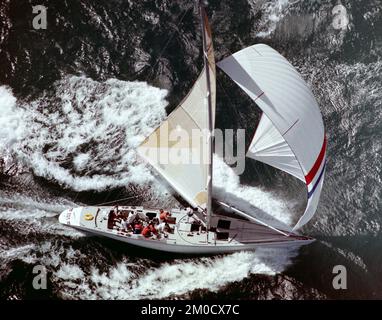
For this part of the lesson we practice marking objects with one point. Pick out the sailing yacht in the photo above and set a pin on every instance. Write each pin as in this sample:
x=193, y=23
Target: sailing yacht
x=290, y=136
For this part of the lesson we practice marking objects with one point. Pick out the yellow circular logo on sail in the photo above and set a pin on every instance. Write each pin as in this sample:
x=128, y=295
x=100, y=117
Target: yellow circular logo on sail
x=88, y=217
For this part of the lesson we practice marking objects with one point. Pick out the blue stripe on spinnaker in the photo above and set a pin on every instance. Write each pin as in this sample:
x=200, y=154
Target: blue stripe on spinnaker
x=310, y=193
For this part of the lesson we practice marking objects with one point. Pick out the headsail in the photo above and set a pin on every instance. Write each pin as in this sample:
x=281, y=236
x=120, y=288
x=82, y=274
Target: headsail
x=290, y=135
x=189, y=177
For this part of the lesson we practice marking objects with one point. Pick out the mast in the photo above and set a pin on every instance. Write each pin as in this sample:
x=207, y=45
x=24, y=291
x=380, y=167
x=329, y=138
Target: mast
x=209, y=115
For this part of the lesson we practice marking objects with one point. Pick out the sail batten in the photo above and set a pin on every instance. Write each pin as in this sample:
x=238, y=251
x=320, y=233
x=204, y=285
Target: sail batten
x=290, y=135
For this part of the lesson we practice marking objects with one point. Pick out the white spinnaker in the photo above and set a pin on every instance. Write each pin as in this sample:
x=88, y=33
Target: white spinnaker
x=270, y=147
x=188, y=175
x=291, y=125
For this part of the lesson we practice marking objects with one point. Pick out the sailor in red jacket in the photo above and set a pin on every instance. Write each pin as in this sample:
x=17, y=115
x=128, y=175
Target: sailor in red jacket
x=152, y=228
x=146, y=232
x=137, y=228
x=163, y=215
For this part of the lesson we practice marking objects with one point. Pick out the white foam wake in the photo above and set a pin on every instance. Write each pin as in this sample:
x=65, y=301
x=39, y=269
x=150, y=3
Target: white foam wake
x=227, y=188
x=10, y=129
x=272, y=12
x=36, y=213
x=13, y=253
x=169, y=279
x=84, y=135
x=75, y=279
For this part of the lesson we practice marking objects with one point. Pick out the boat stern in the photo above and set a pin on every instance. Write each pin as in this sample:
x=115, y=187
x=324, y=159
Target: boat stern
x=70, y=217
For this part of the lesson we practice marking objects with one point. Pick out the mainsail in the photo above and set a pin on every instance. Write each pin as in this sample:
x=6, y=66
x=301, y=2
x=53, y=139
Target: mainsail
x=290, y=135
x=189, y=175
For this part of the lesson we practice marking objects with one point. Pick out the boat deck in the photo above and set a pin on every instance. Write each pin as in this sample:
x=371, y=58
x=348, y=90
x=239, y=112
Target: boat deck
x=186, y=232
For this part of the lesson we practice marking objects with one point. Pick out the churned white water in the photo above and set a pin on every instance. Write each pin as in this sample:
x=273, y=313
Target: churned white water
x=84, y=135
x=273, y=11
x=179, y=277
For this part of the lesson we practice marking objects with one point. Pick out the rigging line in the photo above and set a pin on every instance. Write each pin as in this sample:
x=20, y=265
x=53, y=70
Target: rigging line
x=110, y=202
x=86, y=173
x=229, y=100
x=168, y=42
x=247, y=136
x=250, y=217
x=220, y=83
x=238, y=117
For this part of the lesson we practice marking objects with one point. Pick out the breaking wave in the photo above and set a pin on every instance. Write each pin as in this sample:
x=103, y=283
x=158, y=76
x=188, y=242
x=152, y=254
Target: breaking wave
x=83, y=135
x=132, y=280
x=273, y=12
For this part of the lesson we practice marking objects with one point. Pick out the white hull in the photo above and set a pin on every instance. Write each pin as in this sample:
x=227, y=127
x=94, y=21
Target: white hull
x=195, y=249
x=185, y=242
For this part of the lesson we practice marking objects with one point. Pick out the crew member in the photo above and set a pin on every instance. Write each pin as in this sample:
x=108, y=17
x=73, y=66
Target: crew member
x=163, y=227
x=163, y=215
x=190, y=212
x=146, y=232
x=125, y=225
x=152, y=228
x=138, y=228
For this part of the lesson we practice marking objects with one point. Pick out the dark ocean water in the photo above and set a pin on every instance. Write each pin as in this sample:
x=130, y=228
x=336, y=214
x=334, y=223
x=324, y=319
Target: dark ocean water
x=76, y=99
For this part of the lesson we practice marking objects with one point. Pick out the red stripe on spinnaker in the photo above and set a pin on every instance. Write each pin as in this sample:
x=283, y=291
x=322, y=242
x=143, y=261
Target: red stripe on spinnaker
x=312, y=173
